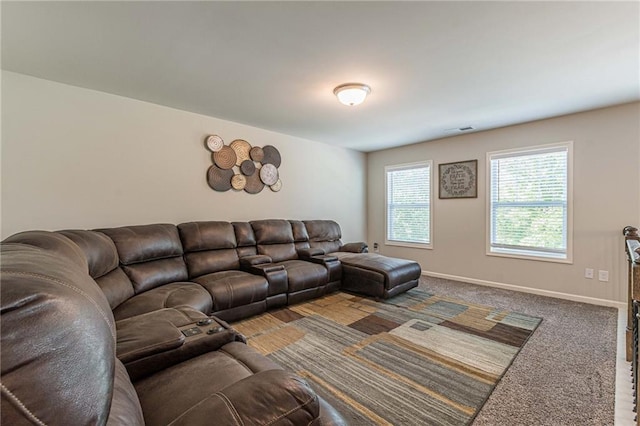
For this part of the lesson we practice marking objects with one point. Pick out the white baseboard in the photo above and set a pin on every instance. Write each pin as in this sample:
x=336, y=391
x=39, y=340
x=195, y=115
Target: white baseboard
x=548, y=293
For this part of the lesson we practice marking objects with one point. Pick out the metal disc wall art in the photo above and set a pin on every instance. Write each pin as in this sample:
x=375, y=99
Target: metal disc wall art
x=238, y=182
x=271, y=156
x=214, y=143
x=257, y=154
x=269, y=174
x=225, y=158
x=276, y=186
x=241, y=148
x=254, y=184
x=219, y=179
x=247, y=167
x=240, y=166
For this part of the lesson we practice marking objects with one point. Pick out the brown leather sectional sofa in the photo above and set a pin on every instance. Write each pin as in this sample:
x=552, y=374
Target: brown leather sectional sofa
x=127, y=325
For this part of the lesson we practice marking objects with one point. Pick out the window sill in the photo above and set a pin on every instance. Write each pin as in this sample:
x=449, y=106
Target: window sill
x=541, y=257
x=409, y=245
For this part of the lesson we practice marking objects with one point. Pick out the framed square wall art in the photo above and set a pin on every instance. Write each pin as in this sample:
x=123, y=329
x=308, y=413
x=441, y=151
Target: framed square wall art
x=458, y=180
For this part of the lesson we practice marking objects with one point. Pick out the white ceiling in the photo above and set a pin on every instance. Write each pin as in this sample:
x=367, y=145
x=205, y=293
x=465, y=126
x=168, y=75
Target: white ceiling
x=432, y=66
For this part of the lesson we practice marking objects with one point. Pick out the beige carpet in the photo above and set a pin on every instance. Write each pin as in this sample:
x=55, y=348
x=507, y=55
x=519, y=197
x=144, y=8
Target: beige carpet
x=564, y=375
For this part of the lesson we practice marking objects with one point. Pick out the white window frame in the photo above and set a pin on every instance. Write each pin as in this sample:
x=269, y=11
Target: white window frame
x=532, y=254
x=395, y=167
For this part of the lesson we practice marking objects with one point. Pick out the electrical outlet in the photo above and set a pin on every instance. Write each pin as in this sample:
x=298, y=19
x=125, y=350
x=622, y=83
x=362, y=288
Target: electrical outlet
x=376, y=249
x=603, y=275
x=588, y=273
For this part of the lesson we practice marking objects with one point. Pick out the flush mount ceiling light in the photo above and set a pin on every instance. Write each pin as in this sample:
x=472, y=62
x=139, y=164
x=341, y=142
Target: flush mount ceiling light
x=352, y=93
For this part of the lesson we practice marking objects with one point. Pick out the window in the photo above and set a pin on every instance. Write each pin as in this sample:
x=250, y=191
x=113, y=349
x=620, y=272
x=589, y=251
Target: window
x=530, y=202
x=408, y=203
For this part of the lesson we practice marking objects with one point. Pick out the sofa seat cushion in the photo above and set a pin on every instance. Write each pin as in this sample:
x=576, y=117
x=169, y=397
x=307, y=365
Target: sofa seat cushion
x=167, y=296
x=230, y=289
x=303, y=275
x=197, y=379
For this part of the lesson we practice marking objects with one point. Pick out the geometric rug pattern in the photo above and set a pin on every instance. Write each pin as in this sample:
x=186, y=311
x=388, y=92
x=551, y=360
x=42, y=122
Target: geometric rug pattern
x=415, y=359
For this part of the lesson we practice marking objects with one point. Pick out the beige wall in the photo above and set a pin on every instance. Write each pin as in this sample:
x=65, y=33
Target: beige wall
x=77, y=158
x=606, y=171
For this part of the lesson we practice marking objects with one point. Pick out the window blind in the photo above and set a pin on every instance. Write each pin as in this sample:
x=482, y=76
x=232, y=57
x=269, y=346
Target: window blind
x=529, y=201
x=409, y=203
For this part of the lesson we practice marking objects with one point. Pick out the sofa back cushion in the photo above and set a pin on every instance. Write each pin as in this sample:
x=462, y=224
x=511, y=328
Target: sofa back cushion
x=150, y=255
x=245, y=239
x=58, y=339
x=209, y=247
x=53, y=242
x=300, y=235
x=104, y=265
x=274, y=238
x=324, y=234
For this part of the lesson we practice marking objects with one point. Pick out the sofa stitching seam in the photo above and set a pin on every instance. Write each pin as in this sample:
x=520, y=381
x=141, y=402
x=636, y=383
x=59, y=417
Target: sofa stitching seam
x=77, y=290
x=231, y=407
x=168, y=295
x=193, y=407
x=283, y=415
x=17, y=401
x=187, y=317
x=171, y=293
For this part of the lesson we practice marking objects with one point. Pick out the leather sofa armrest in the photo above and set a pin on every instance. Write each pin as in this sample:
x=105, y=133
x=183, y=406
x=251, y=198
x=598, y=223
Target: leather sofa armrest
x=258, y=259
x=263, y=398
x=146, y=338
x=306, y=253
x=323, y=259
x=276, y=275
x=359, y=247
x=332, y=263
x=151, y=343
x=259, y=265
x=266, y=269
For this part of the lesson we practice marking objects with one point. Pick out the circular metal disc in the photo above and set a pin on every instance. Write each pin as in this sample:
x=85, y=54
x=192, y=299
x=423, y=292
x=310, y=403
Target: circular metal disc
x=254, y=184
x=269, y=174
x=241, y=148
x=225, y=158
x=256, y=154
x=276, y=186
x=214, y=143
x=271, y=156
x=247, y=168
x=219, y=179
x=238, y=182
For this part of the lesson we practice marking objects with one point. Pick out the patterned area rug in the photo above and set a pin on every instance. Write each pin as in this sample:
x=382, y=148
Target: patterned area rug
x=416, y=359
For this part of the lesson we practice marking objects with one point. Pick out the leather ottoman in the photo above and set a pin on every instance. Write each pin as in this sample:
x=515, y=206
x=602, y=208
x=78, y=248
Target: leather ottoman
x=376, y=275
